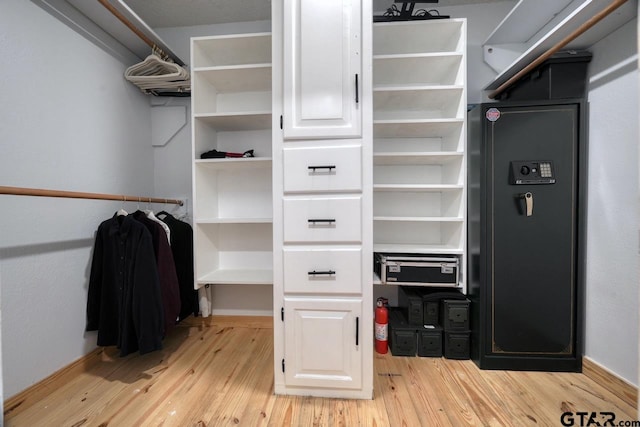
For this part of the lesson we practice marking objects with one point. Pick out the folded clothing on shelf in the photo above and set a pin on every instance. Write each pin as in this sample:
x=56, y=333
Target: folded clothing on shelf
x=215, y=154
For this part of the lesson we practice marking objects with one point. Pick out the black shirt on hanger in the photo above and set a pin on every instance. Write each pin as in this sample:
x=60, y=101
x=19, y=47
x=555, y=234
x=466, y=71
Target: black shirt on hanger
x=182, y=248
x=124, y=302
x=166, y=270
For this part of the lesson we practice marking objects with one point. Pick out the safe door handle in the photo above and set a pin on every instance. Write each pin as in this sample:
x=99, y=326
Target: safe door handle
x=528, y=201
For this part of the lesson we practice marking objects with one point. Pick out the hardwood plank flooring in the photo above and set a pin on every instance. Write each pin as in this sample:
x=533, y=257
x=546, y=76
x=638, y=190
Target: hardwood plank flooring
x=218, y=371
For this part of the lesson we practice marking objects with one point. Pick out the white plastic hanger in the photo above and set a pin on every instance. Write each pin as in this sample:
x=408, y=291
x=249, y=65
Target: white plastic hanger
x=155, y=73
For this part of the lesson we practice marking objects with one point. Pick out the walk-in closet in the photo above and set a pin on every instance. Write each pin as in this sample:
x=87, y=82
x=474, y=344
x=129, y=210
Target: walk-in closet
x=337, y=212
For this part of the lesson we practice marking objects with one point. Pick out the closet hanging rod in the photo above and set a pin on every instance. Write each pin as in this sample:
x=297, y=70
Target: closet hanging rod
x=141, y=35
x=21, y=191
x=570, y=37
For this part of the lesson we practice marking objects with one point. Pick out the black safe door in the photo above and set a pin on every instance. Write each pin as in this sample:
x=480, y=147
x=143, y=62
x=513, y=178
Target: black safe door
x=531, y=203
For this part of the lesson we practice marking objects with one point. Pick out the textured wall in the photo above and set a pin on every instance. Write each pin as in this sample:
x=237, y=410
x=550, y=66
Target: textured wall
x=612, y=218
x=69, y=121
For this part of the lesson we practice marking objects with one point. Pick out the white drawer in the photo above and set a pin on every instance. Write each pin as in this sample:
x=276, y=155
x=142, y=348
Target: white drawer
x=320, y=169
x=322, y=219
x=321, y=270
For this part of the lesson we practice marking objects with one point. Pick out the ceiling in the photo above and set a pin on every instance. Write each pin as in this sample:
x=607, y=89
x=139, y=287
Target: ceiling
x=184, y=13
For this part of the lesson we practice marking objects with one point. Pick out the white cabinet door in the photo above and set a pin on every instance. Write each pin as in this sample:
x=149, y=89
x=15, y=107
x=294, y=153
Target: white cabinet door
x=322, y=69
x=322, y=342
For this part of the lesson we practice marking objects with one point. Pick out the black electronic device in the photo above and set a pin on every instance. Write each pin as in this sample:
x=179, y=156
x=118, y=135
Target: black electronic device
x=531, y=172
x=407, y=12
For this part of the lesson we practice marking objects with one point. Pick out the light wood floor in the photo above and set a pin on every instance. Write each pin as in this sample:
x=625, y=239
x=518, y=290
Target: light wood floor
x=218, y=371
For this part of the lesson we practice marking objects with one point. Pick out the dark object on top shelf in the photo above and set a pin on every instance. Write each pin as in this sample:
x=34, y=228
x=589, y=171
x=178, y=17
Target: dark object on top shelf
x=215, y=154
x=562, y=76
x=406, y=13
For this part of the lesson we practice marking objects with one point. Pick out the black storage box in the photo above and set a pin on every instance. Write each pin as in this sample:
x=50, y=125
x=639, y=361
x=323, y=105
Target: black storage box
x=456, y=344
x=563, y=75
x=410, y=300
x=455, y=315
x=430, y=312
x=430, y=341
x=416, y=269
x=422, y=304
x=402, y=335
x=431, y=303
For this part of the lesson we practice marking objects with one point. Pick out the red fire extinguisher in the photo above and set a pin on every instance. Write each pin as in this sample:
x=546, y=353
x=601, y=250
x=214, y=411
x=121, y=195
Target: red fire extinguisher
x=381, y=326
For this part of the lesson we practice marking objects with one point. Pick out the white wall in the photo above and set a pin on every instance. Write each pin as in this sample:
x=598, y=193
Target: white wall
x=68, y=120
x=612, y=223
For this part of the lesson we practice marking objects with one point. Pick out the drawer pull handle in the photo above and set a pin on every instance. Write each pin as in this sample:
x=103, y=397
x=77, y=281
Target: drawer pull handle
x=323, y=273
x=314, y=168
x=321, y=221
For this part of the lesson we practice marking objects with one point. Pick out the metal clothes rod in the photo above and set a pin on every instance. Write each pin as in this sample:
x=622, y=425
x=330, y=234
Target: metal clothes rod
x=21, y=191
x=133, y=28
x=574, y=34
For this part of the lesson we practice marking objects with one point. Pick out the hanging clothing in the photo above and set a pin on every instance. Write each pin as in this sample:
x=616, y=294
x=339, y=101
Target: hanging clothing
x=164, y=226
x=124, y=302
x=166, y=270
x=182, y=248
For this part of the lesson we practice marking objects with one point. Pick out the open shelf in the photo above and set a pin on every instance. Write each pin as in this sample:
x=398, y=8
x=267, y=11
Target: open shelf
x=235, y=121
x=417, y=248
x=418, y=218
x=232, y=49
x=426, y=128
x=238, y=252
x=232, y=193
x=236, y=220
x=418, y=69
x=415, y=37
x=238, y=78
x=240, y=277
x=235, y=163
x=416, y=158
x=417, y=187
x=418, y=102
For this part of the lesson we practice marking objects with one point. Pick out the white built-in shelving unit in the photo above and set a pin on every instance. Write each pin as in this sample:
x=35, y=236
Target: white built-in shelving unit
x=419, y=131
x=231, y=112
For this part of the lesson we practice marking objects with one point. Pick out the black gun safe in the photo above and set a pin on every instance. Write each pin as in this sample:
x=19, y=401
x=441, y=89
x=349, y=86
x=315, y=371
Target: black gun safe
x=526, y=202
